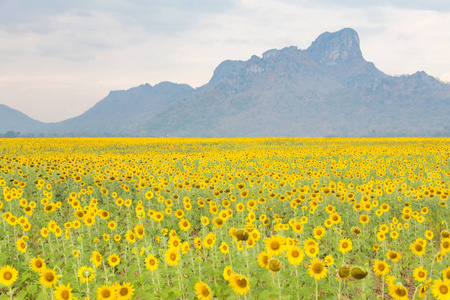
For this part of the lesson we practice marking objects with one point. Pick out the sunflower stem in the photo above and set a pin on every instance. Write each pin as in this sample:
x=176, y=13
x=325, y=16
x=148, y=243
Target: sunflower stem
x=317, y=290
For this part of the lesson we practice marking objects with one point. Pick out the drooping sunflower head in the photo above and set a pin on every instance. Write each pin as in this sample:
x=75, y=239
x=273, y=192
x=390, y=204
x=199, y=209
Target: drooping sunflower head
x=274, y=265
x=344, y=272
x=358, y=273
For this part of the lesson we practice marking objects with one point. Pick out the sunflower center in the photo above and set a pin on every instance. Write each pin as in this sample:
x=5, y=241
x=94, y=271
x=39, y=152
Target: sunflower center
x=65, y=294
x=295, y=253
x=241, y=283
x=317, y=268
x=152, y=262
x=114, y=259
x=49, y=277
x=446, y=245
x=400, y=292
x=345, y=245
x=106, y=293
x=418, y=247
x=381, y=267
x=443, y=289
x=205, y=292
x=123, y=291
x=173, y=256
x=7, y=275
x=38, y=264
x=421, y=274
x=275, y=245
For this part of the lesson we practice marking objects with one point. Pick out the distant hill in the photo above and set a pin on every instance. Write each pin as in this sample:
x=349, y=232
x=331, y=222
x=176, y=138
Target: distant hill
x=15, y=121
x=328, y=89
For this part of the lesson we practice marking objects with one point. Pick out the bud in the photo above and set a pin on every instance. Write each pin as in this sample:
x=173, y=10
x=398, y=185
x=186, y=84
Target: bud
x=274, y=265
x=241, y=235
x=358, y=273
x=344, y=272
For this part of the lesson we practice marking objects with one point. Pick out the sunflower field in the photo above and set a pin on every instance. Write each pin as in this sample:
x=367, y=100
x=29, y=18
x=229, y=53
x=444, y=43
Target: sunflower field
x=260, y=218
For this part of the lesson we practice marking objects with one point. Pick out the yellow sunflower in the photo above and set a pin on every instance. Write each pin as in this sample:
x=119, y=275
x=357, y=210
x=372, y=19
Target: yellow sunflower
x=398, y=292
x=63, y=292
x=420, y=274
x=319, y=232
x=37, y=264
x=48, y=278
x=295, y=255
x=113, y=260
x=125, y=291
x=239, y=283
x=151, y=262
x=380, y=267
x=274, y=245
x=317, y=269
x=345, y=245
x=172, y=256
x=227, y=272
x=8, y=275
x=441, y=289
x=202, y=290
x=86, y=274
x=105, y=292
x=96, y=258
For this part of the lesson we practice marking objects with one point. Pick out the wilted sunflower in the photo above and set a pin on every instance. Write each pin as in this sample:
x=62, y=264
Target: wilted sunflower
x=63, y=292
x=151, y=262
x=37, y=264
x=317, y=269
x=344, y=272
x=48, y=278
x=274, y=265
x=202, y=290
x=8, y=275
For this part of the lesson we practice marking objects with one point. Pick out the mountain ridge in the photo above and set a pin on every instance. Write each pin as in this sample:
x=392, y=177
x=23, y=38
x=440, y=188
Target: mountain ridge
x=328, y=89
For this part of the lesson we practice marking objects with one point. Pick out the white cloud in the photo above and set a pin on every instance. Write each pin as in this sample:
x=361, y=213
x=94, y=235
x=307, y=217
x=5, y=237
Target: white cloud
x=57, y=61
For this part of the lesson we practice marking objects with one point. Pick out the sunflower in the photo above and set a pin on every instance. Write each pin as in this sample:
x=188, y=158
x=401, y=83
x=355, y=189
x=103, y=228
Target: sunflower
x=224, y=249
x=96, y=258
x=113, y=260
x=364, y=219
x=218, y=222
x=227, y=272
x=124, y=291
x=429, y=234
x=105, y=292
x=63, y=292
x=295, y=255
x=345, y=245
x=48, y=277
x=239, y=284
x=420, y=274
x=8, y=275
x=312, y=250
x=151, y=262
x=380, y=267
x=172, y=256
x=130, y=237
x=317, y=269
x=445, y=245
x=344, y=272
x=37, y=264
x=202, y=290
x=398, y=292
x=209, y=240
x=424, y=289
x=441, y=289
x=417, y=248
x=393, y=256
x=184, y=224
x=21, y=245
x=139, y=231
x=86, y=274
x=319, y=232
x=446, y=274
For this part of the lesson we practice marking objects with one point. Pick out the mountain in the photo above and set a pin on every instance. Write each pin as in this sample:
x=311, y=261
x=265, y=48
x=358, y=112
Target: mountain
x=15, y=121
x=328, y=89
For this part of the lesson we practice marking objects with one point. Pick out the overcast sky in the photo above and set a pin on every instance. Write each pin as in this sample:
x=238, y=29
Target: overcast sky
x=58, y=58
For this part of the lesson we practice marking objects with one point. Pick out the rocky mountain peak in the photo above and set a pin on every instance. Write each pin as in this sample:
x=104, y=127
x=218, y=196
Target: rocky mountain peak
x=336, y=47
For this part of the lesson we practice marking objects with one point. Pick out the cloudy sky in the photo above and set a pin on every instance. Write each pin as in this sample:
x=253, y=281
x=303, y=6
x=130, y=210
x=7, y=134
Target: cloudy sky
x=58, y=58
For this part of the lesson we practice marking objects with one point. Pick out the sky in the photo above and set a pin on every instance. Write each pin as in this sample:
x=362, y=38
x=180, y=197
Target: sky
x=59, y=58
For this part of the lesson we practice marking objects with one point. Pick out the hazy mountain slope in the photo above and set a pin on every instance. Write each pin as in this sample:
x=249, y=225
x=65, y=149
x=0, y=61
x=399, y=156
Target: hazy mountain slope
x=14, y=120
